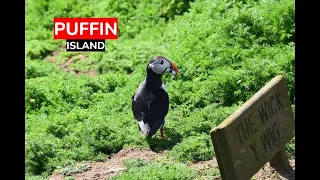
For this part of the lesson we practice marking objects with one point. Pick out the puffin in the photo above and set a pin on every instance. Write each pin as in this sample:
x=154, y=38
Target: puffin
x=150, y=102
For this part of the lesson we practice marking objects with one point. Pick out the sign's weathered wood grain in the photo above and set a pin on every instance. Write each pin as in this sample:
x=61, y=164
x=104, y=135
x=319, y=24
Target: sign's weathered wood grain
x=255, y=132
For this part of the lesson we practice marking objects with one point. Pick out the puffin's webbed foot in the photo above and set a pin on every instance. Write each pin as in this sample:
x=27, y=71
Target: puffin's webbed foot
x=161, y=134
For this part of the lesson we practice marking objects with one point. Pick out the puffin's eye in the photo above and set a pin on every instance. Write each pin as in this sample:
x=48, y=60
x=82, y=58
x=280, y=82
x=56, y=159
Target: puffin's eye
x=161, y=62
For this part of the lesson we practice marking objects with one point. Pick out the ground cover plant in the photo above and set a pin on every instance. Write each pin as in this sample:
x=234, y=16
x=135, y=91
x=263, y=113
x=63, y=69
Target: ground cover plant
x=226, y=51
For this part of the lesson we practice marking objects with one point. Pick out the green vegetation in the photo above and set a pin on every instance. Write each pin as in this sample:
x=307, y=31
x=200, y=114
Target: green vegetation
x=142, y=169
x=72, y=168
x=226, y=51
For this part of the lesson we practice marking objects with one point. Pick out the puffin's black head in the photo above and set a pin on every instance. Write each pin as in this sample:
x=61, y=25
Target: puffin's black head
x=161, y=65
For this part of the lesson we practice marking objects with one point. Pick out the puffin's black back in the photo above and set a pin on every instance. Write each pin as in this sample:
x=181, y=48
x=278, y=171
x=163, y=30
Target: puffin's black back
x=150, y=103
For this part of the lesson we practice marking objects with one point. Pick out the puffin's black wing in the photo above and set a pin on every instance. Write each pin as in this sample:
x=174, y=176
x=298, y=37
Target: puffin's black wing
x=136, y=113
x=150, y=107
x=157, y=110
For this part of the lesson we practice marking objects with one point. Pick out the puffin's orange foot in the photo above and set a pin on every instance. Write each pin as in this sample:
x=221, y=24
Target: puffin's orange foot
x=162, y=134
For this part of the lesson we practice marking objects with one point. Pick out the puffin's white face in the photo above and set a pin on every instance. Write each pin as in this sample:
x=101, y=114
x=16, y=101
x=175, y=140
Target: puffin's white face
x=162, y=65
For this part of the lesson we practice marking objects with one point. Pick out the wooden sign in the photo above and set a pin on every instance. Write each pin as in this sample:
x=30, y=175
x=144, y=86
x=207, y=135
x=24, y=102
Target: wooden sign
x=255, y=133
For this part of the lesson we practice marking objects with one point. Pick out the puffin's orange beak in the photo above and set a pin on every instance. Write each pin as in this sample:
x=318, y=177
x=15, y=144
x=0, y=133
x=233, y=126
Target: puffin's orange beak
x=175, y=68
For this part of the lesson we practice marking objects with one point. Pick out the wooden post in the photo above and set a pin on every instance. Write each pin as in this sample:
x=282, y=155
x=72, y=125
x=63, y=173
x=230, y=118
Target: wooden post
x=257, y=132
x=280, y=160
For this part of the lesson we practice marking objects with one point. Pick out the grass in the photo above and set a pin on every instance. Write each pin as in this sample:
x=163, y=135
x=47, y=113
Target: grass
x=226, y=51
x=73, y=168
x=144, y=169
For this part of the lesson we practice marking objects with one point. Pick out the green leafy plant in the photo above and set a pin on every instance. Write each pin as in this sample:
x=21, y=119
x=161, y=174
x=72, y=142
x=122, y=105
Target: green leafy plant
x=193, y=149
x=73, y=168
x=140, y=169
x=225, y=51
